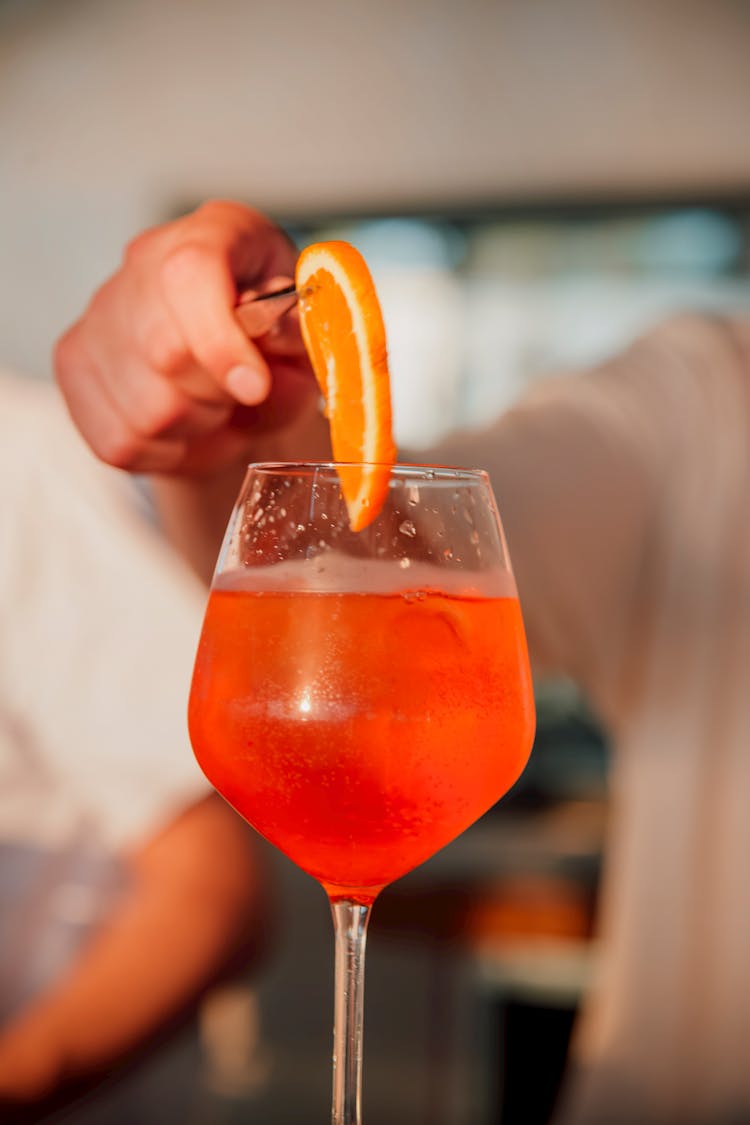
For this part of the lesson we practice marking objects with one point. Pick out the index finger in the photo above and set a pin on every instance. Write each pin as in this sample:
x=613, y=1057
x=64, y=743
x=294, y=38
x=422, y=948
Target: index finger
x=200, y=293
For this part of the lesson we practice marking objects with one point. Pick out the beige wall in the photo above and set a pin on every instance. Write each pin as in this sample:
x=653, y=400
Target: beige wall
x=112, y=111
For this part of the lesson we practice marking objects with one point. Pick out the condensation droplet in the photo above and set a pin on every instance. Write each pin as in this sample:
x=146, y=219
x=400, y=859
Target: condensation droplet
x=406, y=527
x=404, y=563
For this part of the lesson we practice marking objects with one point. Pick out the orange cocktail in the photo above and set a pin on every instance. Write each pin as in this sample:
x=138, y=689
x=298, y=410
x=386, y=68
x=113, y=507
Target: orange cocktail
x=361, y=691
x=360, y=732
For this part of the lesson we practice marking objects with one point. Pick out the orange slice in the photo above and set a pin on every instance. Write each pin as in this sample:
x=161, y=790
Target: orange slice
x=342, y=327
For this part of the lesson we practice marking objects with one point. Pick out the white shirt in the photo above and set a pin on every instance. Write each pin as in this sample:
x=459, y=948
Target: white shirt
x=99, y=625
x=625, y=495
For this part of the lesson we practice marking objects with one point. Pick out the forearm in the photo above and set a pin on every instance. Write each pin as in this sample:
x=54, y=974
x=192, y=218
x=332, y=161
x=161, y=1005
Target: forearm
x=193, y=511
x=193, y=514
x=189, y=915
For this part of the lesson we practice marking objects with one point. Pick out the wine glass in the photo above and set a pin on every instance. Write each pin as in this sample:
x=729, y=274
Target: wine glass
x=361, y=698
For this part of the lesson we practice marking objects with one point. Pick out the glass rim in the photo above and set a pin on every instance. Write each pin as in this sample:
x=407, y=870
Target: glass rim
x=400, y=469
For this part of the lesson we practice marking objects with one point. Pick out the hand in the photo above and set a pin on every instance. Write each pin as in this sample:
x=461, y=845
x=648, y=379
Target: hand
x=158, y=374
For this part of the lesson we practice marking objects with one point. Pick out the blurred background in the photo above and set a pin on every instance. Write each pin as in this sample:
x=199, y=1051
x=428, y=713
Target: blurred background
x=532, y=185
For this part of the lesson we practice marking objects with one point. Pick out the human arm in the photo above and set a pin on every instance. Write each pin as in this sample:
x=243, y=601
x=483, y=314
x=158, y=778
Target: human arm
x=100, y=623
x=573, y=467
x=161, y=379
x=592, y=471
x=184, y=920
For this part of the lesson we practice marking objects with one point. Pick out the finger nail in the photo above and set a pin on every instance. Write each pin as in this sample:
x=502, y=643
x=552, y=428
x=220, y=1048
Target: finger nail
x=247, y=384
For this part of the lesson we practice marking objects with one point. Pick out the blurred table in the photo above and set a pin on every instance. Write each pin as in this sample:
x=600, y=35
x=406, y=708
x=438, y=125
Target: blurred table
x=506, y=915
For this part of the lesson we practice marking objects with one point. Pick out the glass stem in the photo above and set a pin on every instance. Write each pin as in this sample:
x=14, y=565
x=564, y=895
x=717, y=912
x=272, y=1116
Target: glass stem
x=350, y=927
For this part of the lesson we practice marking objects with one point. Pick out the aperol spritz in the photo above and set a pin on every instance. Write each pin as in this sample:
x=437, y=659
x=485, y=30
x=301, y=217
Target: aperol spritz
x=361, y=698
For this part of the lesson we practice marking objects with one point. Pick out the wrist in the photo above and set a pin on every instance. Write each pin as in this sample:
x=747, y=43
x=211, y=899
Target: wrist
x=193, y=513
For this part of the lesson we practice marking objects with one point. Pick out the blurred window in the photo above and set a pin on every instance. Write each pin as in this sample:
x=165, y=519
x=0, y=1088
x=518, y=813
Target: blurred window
x=477, y=305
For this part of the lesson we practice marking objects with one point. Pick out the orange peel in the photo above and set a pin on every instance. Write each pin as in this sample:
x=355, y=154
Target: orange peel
x=342, y=327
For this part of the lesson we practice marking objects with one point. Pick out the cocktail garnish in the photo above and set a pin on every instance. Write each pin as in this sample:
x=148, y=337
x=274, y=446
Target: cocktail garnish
x=343, y=330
